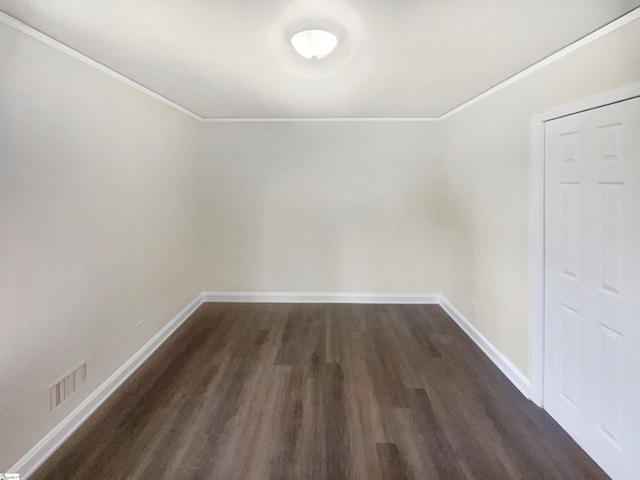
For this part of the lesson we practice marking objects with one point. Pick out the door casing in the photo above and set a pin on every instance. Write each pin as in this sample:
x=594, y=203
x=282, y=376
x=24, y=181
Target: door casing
x=537, y=164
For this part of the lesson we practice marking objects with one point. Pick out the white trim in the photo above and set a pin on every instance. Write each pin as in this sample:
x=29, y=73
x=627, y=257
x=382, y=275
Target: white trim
x=9, y=21
x=536, y=308
x=48, y=445
x=47, y=40
x=516, y=377
x=317, y=119
x=617, y=95
x=277, y=297
x=512, y=372
x=537, y=220
x=583, y=42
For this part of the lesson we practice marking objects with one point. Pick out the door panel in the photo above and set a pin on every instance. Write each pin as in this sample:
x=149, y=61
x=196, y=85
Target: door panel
x=592, y=282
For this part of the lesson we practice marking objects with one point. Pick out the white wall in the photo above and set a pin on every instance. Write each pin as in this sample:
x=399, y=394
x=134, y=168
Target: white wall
x=488, y=176
x=116, y=209
x=397, y=207
x=325, y=207
x=97, y=228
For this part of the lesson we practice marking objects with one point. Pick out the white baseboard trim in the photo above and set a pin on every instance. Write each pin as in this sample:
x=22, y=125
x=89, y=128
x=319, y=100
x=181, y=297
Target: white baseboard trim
x=512, y=372
x=45, y=447
x=516, y=377
x=284, y=297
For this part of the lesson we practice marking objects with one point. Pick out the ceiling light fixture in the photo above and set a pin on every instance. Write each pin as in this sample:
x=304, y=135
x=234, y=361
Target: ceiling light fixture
x=314, y=44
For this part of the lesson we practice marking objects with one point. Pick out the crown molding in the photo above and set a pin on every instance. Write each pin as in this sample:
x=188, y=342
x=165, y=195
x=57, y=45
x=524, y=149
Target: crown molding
x=611, y=27
x=16, y=24
x=318, y=119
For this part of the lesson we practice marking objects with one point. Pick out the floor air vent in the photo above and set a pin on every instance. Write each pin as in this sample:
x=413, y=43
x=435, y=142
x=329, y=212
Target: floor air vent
x=64, y=389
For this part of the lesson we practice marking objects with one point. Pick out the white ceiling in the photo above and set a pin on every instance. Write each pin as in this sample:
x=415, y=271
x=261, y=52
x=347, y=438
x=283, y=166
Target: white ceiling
x=395, y=58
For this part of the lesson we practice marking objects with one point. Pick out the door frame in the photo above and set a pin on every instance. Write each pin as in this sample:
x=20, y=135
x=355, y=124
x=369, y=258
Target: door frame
x=537, y=165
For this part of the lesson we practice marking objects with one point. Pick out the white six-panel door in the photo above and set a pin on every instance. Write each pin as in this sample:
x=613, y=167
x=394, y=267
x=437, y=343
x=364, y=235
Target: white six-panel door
x=592, y=282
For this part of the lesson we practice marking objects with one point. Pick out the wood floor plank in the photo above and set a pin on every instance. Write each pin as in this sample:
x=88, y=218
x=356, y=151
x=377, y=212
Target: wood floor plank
x=319, y=391
x=392, y=465
x=335, y=422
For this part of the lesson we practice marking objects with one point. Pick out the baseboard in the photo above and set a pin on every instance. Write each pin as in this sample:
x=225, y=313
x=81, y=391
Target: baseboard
x=271, y=297
x=40, y=452
x=45, y=447
x=503, y=363
x=512, y=372
x=516, y=377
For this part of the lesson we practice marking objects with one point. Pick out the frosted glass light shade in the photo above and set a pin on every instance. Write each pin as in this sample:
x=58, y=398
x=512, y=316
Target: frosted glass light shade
x=314, y=44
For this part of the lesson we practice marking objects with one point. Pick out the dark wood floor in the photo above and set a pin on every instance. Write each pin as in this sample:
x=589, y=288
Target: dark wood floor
x=372, y=392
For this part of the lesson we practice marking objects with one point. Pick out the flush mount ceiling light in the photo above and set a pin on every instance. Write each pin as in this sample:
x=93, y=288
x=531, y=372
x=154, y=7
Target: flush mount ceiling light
x=314, y=44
